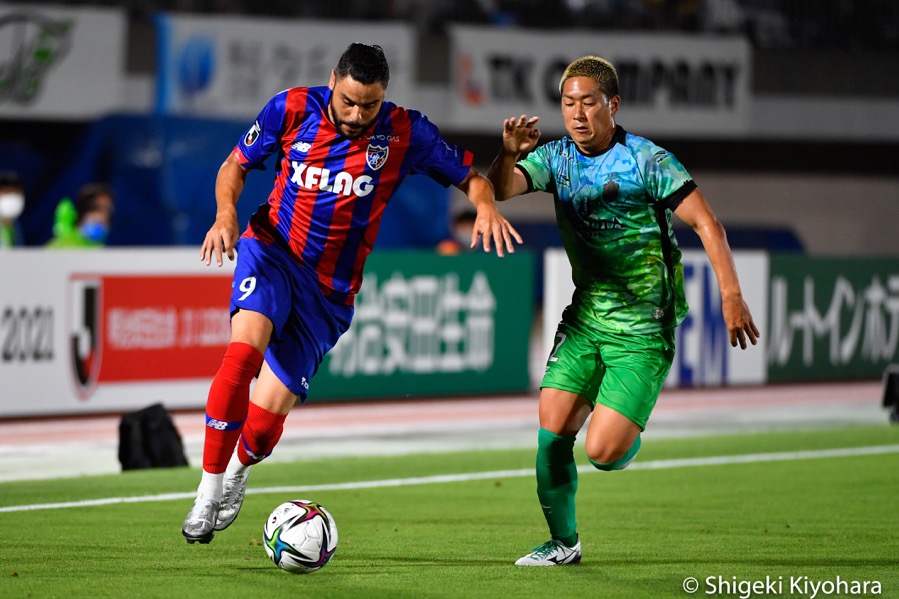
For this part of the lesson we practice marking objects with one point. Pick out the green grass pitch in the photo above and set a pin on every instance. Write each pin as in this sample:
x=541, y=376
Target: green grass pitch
x=644, y=531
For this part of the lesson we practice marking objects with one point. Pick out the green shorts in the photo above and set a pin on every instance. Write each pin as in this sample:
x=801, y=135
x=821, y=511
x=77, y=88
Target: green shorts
x=621, y=371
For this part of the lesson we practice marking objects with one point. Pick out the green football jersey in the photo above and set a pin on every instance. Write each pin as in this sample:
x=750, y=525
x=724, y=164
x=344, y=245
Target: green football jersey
x=614, y=215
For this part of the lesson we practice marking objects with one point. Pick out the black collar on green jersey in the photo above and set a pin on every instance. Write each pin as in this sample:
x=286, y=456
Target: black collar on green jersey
x=617, y=138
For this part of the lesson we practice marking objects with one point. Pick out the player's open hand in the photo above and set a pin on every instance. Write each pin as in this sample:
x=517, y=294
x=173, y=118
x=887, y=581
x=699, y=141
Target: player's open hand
x=221, y=238
x=520, y=134
x=739, y=322
x=493, y=228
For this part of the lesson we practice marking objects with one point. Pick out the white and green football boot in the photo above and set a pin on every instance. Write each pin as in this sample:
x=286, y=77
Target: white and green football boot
x=552, y=553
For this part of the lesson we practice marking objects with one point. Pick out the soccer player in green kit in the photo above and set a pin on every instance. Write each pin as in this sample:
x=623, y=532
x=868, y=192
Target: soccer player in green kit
x=614, y=193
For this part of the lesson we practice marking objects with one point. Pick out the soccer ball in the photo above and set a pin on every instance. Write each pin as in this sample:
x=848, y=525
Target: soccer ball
x=300, y=536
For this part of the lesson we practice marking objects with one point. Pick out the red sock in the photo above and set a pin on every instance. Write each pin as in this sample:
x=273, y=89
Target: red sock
x=260, y=435
x=226, y=407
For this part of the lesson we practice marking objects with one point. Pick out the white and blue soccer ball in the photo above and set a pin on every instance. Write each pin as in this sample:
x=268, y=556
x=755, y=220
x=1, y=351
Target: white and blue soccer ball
x=300, y=536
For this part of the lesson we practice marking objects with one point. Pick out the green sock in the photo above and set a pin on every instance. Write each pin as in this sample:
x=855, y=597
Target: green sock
x=557, y=484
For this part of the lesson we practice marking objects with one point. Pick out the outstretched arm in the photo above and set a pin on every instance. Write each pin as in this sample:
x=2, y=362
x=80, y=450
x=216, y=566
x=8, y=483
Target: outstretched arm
x=223, y=235
x=696, y=212
x=519, y=135
x=489, y=224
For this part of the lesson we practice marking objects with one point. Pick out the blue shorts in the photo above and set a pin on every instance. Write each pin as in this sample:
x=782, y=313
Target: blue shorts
x=268, y=280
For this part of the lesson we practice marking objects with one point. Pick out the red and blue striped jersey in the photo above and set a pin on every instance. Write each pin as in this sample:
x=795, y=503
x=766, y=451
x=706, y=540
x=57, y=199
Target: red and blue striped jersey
x=330, y=192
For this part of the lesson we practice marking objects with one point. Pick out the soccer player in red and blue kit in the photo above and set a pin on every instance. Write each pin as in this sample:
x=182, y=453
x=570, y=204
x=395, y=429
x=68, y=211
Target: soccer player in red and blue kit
x=342, y=152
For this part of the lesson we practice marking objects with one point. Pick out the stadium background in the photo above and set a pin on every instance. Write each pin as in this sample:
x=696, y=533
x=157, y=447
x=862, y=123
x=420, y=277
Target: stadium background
x=795, y=147
x=820, y=135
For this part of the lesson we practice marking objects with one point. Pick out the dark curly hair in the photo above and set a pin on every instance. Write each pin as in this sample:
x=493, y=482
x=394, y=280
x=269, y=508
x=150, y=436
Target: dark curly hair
x=366, y=64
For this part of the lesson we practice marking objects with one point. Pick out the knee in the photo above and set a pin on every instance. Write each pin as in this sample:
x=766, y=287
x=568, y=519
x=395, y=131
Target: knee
x=599, y=453
x=554, y=446
x=241, y=364
x=613, y=457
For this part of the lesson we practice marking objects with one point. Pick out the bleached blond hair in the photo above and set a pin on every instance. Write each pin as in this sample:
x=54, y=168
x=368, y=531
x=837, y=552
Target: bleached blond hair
x=599, y=69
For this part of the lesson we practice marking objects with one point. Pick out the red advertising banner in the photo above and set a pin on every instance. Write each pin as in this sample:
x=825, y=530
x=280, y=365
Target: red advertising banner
x=148, y=328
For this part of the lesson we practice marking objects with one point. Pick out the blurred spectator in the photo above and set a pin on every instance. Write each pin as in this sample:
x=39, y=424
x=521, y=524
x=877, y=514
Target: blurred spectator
x=592, y=13
x=767, y=26
x=12, y=202
x=723, y=16
x=84, y=223
x=463, y=225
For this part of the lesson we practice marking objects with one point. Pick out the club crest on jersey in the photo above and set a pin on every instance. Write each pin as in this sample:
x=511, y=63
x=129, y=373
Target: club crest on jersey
x=253, y=134
x=376, y=156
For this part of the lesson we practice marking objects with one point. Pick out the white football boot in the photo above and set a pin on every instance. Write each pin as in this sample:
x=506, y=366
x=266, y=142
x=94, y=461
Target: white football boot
x=552, y=553
x=200, y=521
x=234, y=487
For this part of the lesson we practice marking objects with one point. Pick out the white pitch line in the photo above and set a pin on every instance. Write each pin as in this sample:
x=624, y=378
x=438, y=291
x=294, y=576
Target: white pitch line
x=751, y=458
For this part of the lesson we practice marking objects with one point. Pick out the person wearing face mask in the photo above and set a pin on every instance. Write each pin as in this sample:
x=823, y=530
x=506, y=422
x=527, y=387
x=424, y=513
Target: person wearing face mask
x=84, y=223
x=463, y=225
x=12, y=202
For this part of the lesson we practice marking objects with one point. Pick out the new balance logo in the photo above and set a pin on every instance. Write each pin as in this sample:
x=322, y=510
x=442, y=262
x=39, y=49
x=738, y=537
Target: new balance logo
x=301, y=146
x=222, y=425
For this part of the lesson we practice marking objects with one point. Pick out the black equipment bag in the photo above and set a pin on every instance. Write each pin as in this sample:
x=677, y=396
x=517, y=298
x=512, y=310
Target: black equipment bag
x=148, y=439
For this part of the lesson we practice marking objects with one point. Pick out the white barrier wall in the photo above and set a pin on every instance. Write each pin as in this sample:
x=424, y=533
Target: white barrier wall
x=704, y=356
x=85, y=331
